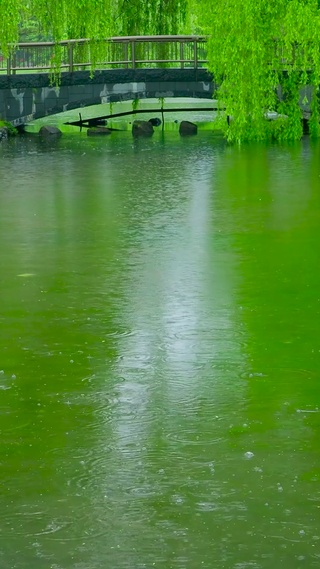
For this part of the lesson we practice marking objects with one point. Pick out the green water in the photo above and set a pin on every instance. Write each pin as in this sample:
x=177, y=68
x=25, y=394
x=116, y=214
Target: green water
x=173, y=113
x=159, y=354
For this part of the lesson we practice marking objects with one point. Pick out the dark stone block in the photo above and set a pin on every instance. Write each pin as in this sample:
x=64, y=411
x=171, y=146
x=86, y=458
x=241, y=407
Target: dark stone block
x=96, y=90
x=2, y=102
x=27, y=105
x=3, y=133
x=39, y=109
x=142, y=128
x=115, y=98
x=48, y=130
x=64, y=92
x=187, y=128
x=155, y=121
x=76, y=95
x=85, y=89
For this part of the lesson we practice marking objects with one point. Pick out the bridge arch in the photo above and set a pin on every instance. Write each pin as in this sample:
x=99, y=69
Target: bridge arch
x=27, y=97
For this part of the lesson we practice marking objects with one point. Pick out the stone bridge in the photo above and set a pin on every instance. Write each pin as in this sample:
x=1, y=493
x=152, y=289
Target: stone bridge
x=30, y=96
x=133, y=67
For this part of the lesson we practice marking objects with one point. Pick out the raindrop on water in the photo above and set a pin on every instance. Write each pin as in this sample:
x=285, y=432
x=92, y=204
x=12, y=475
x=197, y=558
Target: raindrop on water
x=248, y=454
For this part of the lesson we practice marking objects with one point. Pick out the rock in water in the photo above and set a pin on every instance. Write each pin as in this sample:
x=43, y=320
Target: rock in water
x=187, y=128
x=48, y=130
x=98, y=131
x=3, y=133
x=155, y=121
x=142, y=128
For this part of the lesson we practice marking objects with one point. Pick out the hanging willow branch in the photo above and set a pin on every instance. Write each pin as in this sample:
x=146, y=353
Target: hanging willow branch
x=255, y=46
x=94, y=19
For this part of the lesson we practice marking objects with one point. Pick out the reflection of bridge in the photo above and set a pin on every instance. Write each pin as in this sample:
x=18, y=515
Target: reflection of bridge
x=127, y=68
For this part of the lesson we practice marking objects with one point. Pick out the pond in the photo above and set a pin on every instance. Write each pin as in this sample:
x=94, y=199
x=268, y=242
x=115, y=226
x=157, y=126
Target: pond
x=159, y=353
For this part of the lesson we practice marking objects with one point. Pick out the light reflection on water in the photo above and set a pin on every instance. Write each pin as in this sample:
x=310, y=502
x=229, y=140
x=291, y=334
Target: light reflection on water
x=159, y=349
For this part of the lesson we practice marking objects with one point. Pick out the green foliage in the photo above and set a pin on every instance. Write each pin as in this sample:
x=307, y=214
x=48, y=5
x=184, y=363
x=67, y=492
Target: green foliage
x=30, y=31
x=94, y=19
x=147, y=17
x=11, y=13
x=135, y=104
x=254, y=47
x=12, y=131
x=97, y=20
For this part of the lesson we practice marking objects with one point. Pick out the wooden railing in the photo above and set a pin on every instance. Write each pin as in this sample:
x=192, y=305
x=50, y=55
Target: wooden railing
x=117, y=52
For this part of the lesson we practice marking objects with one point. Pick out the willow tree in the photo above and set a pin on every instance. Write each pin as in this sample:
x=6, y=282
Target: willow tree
x=261, y=52
x=256, y=46
x=163, y=17
x=93, y=19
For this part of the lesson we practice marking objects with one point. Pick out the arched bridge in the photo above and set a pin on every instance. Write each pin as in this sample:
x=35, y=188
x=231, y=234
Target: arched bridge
x=127, y=69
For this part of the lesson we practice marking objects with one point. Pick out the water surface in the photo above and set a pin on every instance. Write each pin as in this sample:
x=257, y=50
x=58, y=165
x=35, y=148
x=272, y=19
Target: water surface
x=159, y=353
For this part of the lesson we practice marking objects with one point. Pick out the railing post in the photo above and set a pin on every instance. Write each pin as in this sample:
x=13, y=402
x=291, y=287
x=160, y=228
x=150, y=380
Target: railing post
x=182, y=54
x=70, y=57
x=126, y=54
x=14, y=63
x=195, y=54
x=133, y=55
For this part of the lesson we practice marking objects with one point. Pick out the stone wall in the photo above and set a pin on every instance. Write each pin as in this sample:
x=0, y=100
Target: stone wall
x=27, y=97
